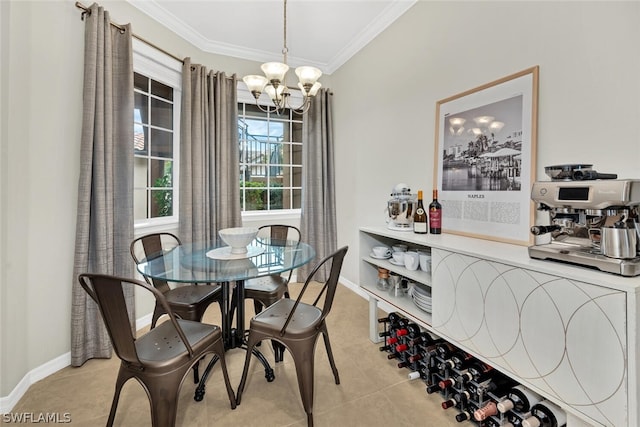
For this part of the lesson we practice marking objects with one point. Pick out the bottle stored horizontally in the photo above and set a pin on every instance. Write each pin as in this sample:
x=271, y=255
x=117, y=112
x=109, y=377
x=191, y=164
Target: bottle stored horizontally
x=435, y=215
x=486, y=411
x=519, y=399
x=420, y=217
x=545, y=414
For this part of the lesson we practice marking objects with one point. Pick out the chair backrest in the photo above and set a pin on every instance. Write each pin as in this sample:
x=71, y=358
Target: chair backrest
x=108, y=293
x=152, y=246
x=279, y=235
x=328, y=288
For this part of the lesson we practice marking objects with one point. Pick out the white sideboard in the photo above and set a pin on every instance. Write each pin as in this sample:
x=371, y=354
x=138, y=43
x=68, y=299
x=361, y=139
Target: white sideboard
x=568, y=332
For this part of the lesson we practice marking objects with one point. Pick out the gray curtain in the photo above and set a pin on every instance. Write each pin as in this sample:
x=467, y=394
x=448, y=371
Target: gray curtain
x=318, y=222
x=104, y=226
x=209, y=154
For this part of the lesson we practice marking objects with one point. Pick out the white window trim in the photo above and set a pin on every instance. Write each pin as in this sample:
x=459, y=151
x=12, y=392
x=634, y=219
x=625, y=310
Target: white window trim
x=165, y=69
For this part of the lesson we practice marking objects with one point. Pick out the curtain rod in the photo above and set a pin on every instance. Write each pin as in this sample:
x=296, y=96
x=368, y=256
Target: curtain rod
x=87, y=11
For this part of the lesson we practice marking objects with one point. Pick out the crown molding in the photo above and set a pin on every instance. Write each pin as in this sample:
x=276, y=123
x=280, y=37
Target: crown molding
x=377, y=26
x=159, y=14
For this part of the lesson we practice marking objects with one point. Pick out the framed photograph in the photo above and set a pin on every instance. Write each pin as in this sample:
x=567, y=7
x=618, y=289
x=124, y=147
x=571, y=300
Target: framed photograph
x=485, y=153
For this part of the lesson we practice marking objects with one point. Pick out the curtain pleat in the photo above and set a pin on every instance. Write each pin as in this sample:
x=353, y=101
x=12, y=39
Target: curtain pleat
x=104, y=227
x=209, y=154
x=318, y=221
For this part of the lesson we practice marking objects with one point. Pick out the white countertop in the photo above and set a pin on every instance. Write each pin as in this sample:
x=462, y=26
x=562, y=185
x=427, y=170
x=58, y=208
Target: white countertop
x=510, y=254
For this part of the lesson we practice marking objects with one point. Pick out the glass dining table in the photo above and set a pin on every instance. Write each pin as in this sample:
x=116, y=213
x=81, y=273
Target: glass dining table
x=209, y=263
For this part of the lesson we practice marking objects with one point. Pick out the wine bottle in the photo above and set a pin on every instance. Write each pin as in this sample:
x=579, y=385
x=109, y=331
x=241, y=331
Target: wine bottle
x=391, y=318
x=545, y=414
x=446, y=404
x=461, y=359
x=463, y=416
x=479, y=371
x=420, y=217
x=435, y=215
x=519, y=399
x=486, y=411
x=445, y=350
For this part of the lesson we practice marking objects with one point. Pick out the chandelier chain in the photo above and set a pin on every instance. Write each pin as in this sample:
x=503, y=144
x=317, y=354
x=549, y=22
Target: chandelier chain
x=285, y=49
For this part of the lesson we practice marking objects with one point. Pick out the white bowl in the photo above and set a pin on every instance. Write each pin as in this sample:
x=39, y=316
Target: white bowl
x=238, y=238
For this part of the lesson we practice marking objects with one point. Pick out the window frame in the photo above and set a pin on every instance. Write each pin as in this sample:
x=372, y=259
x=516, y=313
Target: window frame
x=245, y=96
x=161, y=67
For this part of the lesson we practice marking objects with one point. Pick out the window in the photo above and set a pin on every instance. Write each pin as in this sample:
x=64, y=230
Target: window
x=270, y=159
x=156, y=137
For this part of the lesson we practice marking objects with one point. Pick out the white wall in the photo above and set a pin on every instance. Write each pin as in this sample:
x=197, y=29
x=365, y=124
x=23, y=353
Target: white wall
x=385, y=106
x=385, y=96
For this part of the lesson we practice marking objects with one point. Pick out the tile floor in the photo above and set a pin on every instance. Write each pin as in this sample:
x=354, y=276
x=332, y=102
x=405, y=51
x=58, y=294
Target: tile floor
x=372, y=391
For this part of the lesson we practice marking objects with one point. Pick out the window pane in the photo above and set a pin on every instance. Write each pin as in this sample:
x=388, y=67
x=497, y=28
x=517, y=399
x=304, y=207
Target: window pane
x=161, y=114
x=141, y=108
x=139, y=204
x=140, y=139
x=140, y=82
x=161, y=203
x=254, y=111
x=161, y=143
x=161, y=90
x=161, y=173
x=140, y=172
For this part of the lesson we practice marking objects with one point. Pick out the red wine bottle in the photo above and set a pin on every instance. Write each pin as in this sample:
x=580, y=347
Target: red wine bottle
x=435, y=215
x=519, y=399
x=446, y=404
x=545, y=414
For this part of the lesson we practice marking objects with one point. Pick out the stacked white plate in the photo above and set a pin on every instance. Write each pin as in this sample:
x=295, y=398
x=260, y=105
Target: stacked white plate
x=421, y=296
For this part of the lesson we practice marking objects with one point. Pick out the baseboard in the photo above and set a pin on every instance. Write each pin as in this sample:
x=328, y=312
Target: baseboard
x=51, y=367
x=8, y=402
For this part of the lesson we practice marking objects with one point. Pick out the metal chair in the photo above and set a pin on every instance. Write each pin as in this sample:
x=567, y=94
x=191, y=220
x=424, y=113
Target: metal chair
x=296, y=325
x=264, y=291
x=159, y=359
x=187, y=301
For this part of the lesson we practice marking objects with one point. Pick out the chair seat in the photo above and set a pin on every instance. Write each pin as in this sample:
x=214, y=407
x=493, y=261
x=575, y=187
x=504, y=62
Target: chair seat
x=161, y=346
x=190, y=295
x=266, y=284
x=303, y=322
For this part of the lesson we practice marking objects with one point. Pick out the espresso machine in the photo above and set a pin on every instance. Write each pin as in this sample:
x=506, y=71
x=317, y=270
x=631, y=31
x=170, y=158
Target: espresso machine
x=593, y=220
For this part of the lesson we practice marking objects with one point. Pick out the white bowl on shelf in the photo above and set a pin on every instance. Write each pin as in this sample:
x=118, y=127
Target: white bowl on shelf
x=238, y=238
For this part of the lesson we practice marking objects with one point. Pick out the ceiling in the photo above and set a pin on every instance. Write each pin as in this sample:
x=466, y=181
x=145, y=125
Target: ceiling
x=322, y=33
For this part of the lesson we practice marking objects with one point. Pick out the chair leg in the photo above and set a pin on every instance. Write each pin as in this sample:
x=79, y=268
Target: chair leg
x=251, y=342
x=123, y=376
x=304, y=370
x=219, y=351
x=164, y=399
x=157, y=312
x=327, y=344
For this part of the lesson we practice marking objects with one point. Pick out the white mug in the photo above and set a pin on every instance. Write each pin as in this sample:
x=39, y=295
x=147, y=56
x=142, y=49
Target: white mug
x=398, y=257
x=381, y=251
x=425, y=262
x=411, y=260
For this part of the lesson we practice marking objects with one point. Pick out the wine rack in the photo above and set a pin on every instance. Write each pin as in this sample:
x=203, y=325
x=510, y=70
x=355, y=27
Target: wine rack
x=470, y=389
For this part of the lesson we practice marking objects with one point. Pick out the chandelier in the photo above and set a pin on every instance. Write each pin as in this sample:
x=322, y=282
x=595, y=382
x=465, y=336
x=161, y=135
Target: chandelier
x=274, y=84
